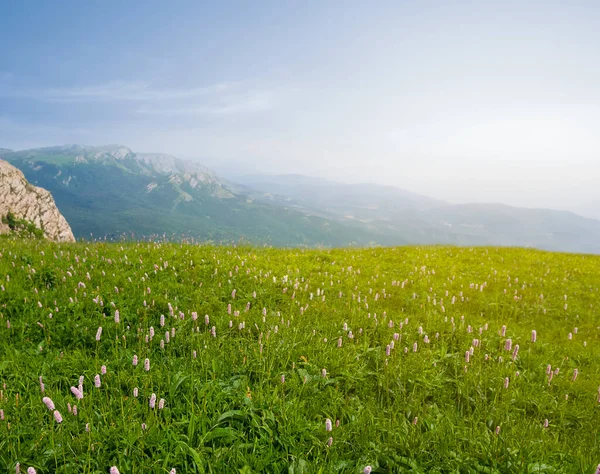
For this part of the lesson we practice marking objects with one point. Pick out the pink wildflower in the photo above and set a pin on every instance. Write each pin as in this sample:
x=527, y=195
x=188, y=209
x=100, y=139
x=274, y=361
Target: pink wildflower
x=58, y=416
x=99, y=333
x=49, y=403
x=77, y=393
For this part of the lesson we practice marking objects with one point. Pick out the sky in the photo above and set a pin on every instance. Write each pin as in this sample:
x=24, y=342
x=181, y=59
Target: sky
x=466, y=101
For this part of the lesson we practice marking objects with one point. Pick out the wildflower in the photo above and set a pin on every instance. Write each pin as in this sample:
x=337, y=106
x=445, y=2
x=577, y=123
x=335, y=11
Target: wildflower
x=49, y=403
x=323, y=373
x=99, y=333
x=415, y=420
x=548, y=369
x=367, y=470
x=282, y=378
x=75, y=410
x=415, y=347
x=575, y=373
x=42, y=388
x=30, y=470
x=506, y=381
x=388, y=350
x=135, y=360
x=143, y=426
x=467, y=356
x=161, y=403
x=533, y=335
x=339, y=343
x=87, y=427
x=117, y=316
x=103, y=370
x=508, y=345
x=75, y=391
x=515, y=352
x=330, y=441
x=173, y=471
x=497, y=430
x=328, y=425
x=97, y=381
x=114, y=470
x=135, y=392
x=546, y=423
x=147, y=365
x=152, y=401
x=57, y=416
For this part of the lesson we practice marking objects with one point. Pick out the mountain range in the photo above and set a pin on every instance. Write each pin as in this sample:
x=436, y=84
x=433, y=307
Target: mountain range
x=112, y=192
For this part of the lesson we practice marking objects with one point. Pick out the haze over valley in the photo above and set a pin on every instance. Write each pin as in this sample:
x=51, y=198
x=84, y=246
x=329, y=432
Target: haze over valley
x=113, y=192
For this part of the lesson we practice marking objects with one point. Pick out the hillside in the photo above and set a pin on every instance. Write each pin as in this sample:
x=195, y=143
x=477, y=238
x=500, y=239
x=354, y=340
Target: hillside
x=203, y=359
x=113, y=192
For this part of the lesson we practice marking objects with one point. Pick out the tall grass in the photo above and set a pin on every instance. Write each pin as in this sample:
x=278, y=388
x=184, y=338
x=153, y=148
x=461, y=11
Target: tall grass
x=249, y=387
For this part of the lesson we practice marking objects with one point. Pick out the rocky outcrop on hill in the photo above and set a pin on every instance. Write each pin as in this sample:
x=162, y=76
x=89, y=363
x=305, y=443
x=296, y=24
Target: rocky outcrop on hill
x=32, y=204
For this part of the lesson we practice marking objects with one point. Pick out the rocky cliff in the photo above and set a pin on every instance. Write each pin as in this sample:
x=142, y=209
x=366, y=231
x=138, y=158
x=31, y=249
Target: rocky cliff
x=32, y=204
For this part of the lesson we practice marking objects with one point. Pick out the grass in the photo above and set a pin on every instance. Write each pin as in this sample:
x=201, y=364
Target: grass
x=255, y=399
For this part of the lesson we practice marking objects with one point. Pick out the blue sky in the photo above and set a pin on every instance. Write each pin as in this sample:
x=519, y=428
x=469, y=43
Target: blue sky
x=464, y=101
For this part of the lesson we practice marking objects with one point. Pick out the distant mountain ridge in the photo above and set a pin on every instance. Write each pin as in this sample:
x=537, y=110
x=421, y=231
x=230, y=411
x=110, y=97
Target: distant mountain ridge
x=112, y=191
x=388, y=211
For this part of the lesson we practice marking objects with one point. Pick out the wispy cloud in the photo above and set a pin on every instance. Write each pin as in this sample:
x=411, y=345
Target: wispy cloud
x=218, y=99
x=19, y=135
x=118, y=91
x=253, y=101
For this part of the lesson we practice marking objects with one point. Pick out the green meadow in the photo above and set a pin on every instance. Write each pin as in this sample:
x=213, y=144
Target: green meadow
x=261, y=360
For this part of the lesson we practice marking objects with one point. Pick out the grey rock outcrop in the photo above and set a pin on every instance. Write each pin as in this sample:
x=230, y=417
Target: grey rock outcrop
x=32, y=204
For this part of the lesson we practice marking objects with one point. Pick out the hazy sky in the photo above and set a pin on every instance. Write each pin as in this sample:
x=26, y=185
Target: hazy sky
x=464, y=101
